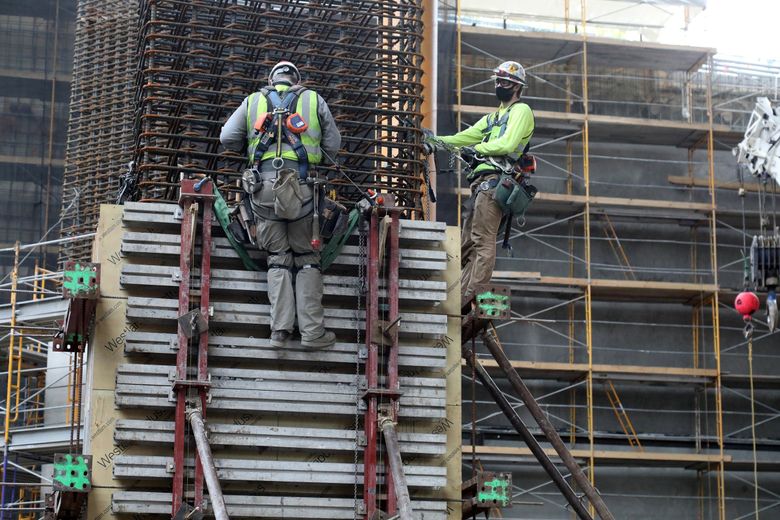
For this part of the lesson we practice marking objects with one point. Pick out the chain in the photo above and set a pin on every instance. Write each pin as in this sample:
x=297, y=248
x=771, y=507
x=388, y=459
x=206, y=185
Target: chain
x=361, y=289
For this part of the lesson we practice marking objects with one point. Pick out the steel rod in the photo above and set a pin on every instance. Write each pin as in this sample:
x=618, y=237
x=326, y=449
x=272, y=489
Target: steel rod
x=401, y=488
x=207, y=463
x=491, y=342
x=528, y=438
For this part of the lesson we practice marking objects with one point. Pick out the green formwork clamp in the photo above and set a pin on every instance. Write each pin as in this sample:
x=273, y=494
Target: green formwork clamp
x=72, y=472
x=80, y=280
x=493, y=302
x=495, y=492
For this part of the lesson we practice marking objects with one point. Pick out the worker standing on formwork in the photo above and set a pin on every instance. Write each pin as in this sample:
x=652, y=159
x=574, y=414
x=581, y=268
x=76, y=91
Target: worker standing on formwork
x=285, y=128
x=499, y=140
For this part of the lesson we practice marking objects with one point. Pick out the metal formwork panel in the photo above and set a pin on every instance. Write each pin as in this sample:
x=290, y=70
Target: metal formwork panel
x=248, y=470
x=287, y=420
x=142, y=309
x=285, y=392
x=255, y=506
x=246, y=435
x=236, y=281
x=227, y=347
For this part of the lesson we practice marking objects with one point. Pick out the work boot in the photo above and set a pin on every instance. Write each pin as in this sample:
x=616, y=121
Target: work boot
x=327, y=339
x=279, y=338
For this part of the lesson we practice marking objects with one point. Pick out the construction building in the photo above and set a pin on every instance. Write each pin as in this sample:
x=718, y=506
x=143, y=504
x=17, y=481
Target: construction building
x=622, y=273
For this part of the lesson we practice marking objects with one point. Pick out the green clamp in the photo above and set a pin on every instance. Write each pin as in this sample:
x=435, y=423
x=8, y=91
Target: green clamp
x=495, y=492
x=493, y=302
x=81, y=280
x=72, y=472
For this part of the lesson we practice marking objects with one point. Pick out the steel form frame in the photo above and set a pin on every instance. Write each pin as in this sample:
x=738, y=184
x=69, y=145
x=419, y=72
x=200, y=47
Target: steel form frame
x=710, y=300
x=377, y=333
x=191, y=195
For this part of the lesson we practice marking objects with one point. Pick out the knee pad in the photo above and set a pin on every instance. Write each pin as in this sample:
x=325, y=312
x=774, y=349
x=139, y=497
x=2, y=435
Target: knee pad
x=280, y=259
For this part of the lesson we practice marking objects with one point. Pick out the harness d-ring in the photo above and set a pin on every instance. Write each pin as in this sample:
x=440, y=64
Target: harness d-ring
x=277, y=163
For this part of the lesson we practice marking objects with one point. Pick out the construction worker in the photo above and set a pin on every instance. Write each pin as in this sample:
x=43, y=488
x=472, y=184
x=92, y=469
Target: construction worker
x=282, y=200
x=498, y=139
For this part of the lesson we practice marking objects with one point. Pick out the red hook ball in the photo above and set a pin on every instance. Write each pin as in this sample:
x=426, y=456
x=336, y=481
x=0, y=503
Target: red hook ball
x=746, y=304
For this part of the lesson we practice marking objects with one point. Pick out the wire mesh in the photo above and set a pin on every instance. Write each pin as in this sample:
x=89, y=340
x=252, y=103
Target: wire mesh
x=158, y=92
x=200, y=59
x=100, y=136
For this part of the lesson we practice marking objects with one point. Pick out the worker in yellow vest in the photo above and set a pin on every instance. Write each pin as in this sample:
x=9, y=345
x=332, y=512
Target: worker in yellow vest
x=499, y=139
x=285, y=128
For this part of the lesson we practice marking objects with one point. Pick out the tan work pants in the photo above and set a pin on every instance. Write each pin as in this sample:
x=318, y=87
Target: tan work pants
x=478, y=240
x=288, y=243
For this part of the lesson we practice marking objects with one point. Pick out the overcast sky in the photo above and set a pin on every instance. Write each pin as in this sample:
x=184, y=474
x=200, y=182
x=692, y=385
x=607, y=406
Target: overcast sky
x=746, y=28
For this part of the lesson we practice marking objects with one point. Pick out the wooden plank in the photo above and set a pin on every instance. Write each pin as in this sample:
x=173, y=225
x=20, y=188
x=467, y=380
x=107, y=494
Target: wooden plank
x=639, y=285
x=579, y=201
x=579, y=369
x=682, y=180
x=674, y=458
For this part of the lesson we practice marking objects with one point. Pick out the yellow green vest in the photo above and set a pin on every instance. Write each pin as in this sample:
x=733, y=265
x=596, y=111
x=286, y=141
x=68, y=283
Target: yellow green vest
x=258, y=104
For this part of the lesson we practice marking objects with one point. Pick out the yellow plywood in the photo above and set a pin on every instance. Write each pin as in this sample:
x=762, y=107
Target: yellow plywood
x=452, y=457
x=106, y=250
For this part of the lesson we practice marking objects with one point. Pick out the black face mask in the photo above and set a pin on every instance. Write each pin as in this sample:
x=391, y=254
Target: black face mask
x=504, y=93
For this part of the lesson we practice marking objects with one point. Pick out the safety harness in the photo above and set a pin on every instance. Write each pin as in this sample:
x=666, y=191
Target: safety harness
x=284, y=117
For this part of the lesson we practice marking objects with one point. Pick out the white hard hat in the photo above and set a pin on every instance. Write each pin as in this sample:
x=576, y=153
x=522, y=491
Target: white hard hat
x=282, y=71
x=510, y=70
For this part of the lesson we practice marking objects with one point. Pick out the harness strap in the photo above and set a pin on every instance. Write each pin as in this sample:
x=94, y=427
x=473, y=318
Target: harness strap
x=285, y=106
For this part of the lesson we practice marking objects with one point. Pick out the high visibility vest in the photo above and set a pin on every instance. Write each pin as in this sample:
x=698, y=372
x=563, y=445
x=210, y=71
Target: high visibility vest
x=496, y=128
x=307, y=108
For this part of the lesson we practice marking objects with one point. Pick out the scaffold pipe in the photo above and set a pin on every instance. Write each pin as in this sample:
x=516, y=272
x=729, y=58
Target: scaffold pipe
x=209, y=470
x=396, y=468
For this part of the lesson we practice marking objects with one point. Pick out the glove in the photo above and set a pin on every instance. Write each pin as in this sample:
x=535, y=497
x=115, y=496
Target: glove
x=428, y=148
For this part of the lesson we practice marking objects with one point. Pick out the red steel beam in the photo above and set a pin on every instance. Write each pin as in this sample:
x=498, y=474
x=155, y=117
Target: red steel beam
x=206, y=190
x=392, y=357
x=187, y=243
x=372, y=368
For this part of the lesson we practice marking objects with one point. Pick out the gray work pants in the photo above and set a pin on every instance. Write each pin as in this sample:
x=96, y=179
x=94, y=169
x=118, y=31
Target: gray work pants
x=288, y=243
x=478, y=240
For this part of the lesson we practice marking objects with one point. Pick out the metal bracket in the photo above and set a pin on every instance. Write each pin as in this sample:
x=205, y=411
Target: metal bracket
x=80, y=280
x=362, y=352
x=488, y=490
x=187, y=512
x=72, y=473
x=193, y=323
x=176, y=276
x=178, y=213
x=361, y=439
x=493, y=302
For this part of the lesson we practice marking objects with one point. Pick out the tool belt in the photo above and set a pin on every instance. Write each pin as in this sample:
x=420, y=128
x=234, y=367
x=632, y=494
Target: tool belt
x=333, y=217
x=512, y=196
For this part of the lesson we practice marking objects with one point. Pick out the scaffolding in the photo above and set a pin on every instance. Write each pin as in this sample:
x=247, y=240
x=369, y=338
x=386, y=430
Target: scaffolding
x=617, y=285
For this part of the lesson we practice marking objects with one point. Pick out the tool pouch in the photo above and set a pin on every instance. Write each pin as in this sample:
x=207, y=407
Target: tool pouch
x=512, y=197
x=288, y=199
x=333, y=218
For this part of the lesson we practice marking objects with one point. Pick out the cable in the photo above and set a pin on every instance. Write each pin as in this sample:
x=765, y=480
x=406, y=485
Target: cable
x=753, y=422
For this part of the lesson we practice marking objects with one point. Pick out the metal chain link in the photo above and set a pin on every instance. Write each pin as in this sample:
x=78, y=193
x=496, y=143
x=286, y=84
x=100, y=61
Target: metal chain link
x=361, y=289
